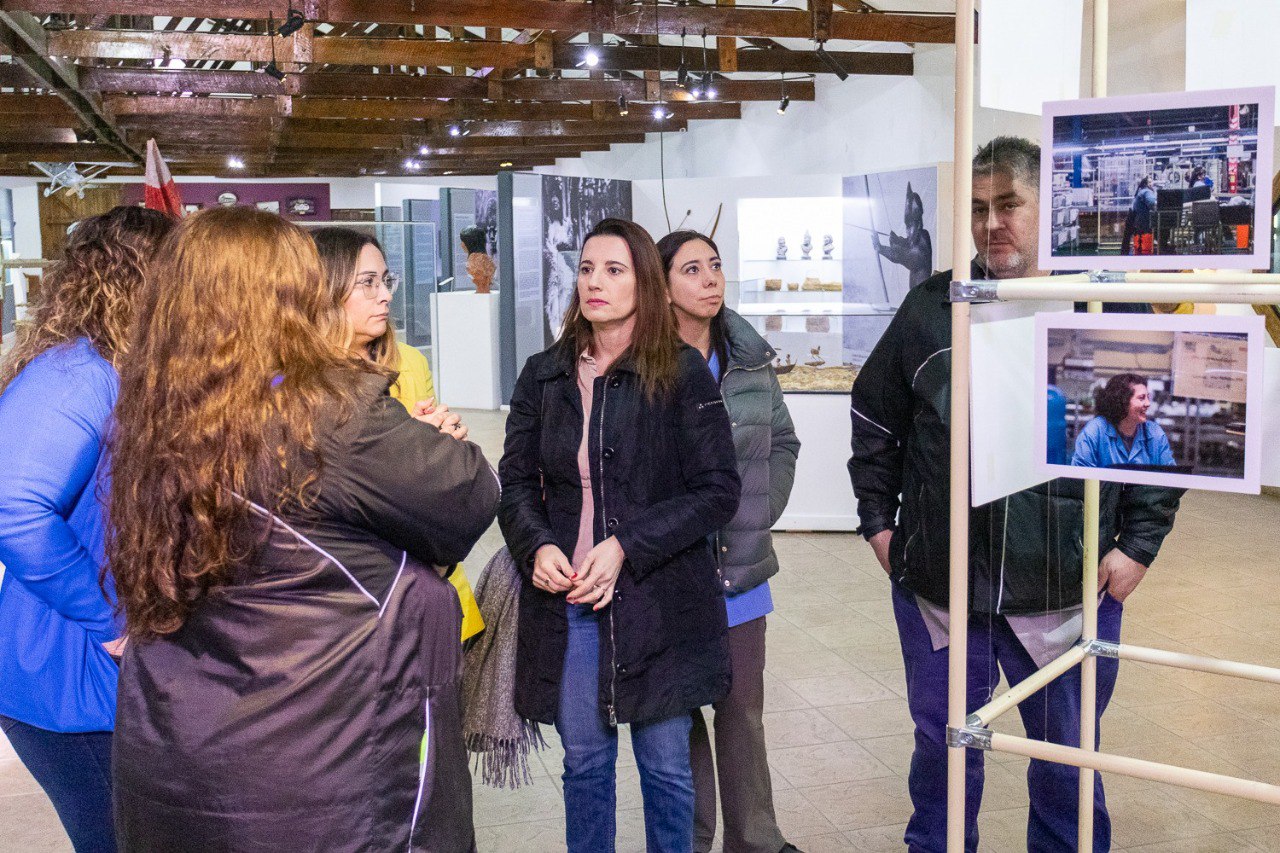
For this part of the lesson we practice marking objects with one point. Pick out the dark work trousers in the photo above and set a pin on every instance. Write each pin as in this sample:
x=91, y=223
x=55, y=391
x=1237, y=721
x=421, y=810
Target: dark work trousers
x=75, y=771
x=1051, y=714
x=746, y=794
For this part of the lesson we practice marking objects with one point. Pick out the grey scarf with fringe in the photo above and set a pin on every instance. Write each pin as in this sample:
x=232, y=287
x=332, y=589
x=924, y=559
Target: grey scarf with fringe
x=493, y=730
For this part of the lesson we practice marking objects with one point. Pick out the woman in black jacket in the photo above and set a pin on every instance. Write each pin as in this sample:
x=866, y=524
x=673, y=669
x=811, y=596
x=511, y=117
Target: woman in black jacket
x=619, y=453
x=291, y=679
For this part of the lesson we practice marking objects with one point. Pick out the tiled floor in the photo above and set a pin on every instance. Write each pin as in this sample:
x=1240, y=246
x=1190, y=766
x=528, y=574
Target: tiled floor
x=837, y=724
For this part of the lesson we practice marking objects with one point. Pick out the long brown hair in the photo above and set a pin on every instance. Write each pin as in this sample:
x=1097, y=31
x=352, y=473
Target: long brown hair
x=655, y=345
x=340, y=257
x=89, y=291
x=226, y=379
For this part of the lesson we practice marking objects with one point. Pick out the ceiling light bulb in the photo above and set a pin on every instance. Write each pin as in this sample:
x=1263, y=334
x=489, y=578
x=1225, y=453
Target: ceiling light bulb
x=424, y=150
x=506, y=164
x=454, y=130
x=783, y=104
x=235, y=163
x=658, y=112
x=592, y=59
x=623, y=108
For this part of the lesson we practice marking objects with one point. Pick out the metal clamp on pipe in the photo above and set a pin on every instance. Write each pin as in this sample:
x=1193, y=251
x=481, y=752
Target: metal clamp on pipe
x=975, y=737
x=1108, y=277
x=973, y=291
x=1103, y=649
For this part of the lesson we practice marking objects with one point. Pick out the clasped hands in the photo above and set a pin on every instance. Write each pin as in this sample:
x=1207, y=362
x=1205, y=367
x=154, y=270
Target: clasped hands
x=593, y=583
x=440, y=417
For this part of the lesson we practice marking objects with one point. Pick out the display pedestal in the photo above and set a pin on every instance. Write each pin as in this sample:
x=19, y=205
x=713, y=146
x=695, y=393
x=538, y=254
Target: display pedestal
x=465, y=334
x=822, y=498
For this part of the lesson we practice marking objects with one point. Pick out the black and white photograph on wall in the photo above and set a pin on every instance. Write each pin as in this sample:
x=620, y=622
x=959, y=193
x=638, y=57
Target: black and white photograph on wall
x=890, y=224
x=487, y=219
x=571, y=207
x=1158, y=182
x=1154, y=399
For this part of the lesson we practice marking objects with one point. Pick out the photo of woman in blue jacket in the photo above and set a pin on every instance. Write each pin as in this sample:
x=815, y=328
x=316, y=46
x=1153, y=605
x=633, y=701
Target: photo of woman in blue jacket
x=1121, y=434
x=57, y=390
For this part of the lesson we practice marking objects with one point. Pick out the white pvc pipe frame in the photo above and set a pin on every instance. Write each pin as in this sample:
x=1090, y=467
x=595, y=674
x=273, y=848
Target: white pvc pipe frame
x=967, y=732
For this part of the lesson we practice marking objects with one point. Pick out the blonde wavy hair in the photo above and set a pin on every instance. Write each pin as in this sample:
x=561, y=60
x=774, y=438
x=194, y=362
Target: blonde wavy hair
x=89, y=291
x=228, y=384
x=340, y=257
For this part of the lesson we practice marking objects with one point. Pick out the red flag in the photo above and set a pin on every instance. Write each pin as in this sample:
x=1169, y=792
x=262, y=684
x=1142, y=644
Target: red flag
x=160, y=192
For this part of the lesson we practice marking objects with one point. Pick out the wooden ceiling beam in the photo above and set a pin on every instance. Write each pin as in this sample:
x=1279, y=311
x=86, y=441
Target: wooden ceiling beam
x=47, y=109
x=196, y=47
x=346, y=85
x=23, y=38
x=618, y=19
x=193, y=47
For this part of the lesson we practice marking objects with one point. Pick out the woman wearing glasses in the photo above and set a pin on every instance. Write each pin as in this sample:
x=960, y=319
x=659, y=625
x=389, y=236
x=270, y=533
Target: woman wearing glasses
x=361, y=286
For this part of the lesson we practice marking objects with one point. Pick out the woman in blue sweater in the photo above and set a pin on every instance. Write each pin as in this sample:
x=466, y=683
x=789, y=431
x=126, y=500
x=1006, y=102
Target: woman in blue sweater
x=59, y=640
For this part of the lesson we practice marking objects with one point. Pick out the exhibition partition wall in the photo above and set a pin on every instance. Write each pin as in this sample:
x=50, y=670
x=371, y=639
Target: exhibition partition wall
x=543, y=220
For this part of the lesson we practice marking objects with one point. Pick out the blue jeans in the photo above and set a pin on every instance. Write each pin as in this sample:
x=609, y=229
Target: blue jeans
x=1051, y=714
x=74, y=769
x=591, y=754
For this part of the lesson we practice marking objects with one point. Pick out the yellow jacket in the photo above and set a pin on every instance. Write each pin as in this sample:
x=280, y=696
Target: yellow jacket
x=413, y=386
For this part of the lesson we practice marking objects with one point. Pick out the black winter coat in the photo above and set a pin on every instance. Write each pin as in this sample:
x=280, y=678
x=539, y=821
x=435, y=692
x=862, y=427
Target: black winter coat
x=1026, y=551
x=314, y=703
x=663, y=479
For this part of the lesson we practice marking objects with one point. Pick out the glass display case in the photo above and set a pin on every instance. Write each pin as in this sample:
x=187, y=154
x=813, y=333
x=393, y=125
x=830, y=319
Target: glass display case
x=799, y=303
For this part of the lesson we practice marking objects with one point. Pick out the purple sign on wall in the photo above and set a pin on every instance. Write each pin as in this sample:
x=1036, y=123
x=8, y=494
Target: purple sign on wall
x=299, y=202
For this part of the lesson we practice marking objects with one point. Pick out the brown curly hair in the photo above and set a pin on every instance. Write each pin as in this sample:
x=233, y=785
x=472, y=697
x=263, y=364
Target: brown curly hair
x=1111, y=401
x=228, y=377
x=89, y=292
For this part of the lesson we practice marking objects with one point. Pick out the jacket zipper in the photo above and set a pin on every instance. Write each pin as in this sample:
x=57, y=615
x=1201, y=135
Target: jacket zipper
x=604, y=530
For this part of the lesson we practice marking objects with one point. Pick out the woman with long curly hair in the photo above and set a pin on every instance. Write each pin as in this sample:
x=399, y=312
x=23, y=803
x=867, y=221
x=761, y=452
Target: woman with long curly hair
x=361, y=287
x=57, y=389
x=291, y=677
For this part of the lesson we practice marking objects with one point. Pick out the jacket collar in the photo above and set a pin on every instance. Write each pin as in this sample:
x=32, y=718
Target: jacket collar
x=747, y=349
x=560, y=362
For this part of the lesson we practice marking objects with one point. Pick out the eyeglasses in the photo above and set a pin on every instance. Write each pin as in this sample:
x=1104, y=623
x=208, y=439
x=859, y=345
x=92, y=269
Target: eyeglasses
x=368, y=284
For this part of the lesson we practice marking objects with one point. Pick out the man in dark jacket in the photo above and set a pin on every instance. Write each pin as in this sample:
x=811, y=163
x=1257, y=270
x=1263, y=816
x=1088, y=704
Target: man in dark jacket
x=1026, y=550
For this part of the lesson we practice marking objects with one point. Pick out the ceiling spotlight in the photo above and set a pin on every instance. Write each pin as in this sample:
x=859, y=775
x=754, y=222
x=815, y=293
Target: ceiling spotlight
x=623, y=107
x=292, y=23
x=783, y=104
x=591, y=58
x=235, y=163
x=505, y=164
x=273, y=71
x=711, y=92
x=424, y=150
x=830, y=61
x=412, y=165
x=454, y=130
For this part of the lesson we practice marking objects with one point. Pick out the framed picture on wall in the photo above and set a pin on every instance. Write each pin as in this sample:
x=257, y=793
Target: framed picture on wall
x=269, y=206
x=302, y=206
x=191, y=208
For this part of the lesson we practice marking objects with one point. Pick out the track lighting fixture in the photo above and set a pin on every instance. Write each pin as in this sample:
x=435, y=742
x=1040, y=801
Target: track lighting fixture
x=660, y=112
x=830, y=61
x=271, y=69
x=293, y=22
x=783, y=104
x=454, y=130
x=623, y=107
x=682, y=70
x=423, y=150
x=411, y=165
x=709, y=89
x=235, y=163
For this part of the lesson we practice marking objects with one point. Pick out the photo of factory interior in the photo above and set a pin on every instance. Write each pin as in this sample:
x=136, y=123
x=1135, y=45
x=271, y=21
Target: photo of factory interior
x=1159, y=182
